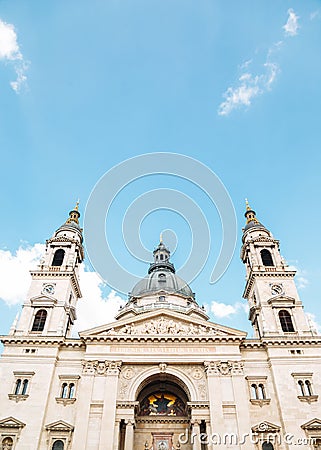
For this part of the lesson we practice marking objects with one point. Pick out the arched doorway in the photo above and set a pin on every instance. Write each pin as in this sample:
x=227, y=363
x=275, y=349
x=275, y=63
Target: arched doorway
x=162, y=413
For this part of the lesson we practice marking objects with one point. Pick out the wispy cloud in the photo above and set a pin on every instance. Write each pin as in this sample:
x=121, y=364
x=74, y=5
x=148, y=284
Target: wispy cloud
x=251, y=85
x=301, y=278
x=10, y=53
x=315, y=15
x=221, y=310
x=292, y=25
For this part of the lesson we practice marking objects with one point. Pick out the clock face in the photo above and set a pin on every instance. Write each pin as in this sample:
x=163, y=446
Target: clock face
x=48, y=289
x=276, y=289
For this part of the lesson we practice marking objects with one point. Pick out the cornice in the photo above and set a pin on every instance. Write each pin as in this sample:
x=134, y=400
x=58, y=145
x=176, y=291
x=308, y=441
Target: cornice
x=52, y=272
x=158, y=419
x=291, y=340
x=268, y=272
x=163, y=338
x=41, y=341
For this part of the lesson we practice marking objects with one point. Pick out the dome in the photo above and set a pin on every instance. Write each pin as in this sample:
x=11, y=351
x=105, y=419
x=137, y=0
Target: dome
x=162, y=280
x=253, y=225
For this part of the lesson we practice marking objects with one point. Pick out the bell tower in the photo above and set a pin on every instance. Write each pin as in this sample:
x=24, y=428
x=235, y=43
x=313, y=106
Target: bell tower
x=275, y=306
x=50, y=306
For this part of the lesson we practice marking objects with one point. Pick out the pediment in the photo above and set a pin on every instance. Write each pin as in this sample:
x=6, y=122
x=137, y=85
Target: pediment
x=43, y=300
x=60, y=425
x=11, y=422
x=163, y=322
x=314, y=424
x=282, y=300
x=266, y=427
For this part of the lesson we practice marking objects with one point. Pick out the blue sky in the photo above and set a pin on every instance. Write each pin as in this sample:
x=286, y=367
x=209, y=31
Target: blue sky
x=235, y=85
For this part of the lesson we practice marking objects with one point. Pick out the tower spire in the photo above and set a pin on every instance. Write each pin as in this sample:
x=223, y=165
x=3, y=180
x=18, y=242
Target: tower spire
x=250, y=214
x=74, y=214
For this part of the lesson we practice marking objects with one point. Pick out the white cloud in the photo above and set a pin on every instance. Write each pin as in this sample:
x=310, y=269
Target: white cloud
x=250, y=86
x=10, y=52
x=221, y=310
x=292, y=25
x=95, y=308
x=14, y=269
x=314, y=326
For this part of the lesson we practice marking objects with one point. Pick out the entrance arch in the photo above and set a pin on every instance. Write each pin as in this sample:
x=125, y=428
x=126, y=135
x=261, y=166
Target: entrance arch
x=176, y=375
x=162, y=412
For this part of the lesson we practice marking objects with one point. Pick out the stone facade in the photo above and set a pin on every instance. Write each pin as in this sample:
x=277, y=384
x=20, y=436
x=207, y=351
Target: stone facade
x=162, y=376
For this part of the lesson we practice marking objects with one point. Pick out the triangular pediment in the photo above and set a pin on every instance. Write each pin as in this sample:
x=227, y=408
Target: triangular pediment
x=43, y=300
x=266, y=427
x=60, y=425
x=163, y=322
x=284, y=299
x=314, y=424
x=11, y=422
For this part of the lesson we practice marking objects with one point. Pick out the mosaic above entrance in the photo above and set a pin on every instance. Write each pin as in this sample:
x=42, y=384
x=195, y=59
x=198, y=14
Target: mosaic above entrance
x=162, y=404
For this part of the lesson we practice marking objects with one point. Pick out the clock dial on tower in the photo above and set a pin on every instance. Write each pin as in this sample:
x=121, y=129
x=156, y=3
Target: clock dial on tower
x=48, y=289
x=276, y=289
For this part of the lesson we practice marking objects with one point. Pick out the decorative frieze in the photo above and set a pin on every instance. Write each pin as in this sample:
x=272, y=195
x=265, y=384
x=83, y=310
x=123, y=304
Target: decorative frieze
x=223, y=367
x=166, y=326
x=96, y=367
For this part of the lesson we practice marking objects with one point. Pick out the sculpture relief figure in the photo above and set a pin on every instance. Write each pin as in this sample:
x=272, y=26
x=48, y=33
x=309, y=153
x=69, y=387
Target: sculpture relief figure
x=162, y=446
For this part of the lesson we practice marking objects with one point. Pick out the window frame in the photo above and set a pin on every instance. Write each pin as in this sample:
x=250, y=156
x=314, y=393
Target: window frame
x=255, y=385
x=22, y=393
x=305, y=394
x=289, y=316
x=70, y=382
x=63, y=253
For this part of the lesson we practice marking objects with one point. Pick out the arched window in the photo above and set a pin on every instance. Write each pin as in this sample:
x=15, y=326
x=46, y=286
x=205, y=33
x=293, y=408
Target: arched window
x=161, y=257
x=261, y=392
x=7, y=443
x=40, y=320
x=267, y=446
x=162, y=277
x=24, y=387
x=308, y=387
x=58, y=257
x=301, y=386
x=254, y=392
x=58, y=445
x=64, y=390
x=266, y=257
x=17, y=387
x=71, y=392
x=286, y=321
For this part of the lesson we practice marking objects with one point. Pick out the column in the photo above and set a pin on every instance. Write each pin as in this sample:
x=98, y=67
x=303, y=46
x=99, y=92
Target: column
x=215, y=398
x=84, y=394
x=129, y=436
x=241, y=399
x=109, y=410
x=196, y=431
x=116, y=434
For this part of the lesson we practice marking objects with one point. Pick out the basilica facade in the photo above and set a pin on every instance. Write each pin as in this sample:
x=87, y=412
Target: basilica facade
x=162, y=376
